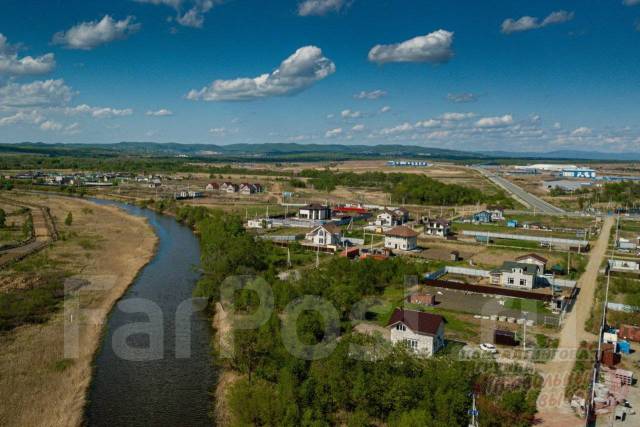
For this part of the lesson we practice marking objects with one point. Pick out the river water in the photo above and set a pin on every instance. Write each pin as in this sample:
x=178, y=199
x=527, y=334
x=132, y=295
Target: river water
x=173, y=387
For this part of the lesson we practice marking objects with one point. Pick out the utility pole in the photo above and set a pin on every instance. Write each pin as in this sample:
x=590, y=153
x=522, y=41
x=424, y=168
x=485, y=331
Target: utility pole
x=473, y=411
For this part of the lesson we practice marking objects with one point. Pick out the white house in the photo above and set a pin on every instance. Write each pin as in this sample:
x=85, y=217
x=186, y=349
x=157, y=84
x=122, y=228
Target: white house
x=421, y=332
x=228, y=187
x=402, y=238
x=624, y=265
x=315, y=212
x=535, y=259
x=325, y=235
x=437, y=227
x=391, y=218
x=515, y=275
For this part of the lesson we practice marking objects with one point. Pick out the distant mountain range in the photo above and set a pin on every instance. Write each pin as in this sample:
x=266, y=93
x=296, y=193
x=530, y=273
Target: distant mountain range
x=297, y=152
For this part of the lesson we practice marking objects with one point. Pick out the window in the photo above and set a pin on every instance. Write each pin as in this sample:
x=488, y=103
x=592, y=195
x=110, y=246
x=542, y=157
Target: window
x=401, y=327
x=511, y=281
x=523, y=282
x=412, y=344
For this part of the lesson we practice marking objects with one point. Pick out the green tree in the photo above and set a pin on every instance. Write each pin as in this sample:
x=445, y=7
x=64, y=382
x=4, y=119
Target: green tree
x=3, y=218
x=69, y=219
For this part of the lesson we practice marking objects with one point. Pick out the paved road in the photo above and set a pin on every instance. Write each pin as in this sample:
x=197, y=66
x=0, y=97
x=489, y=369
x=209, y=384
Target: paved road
x=523, y=196
x=552, y=408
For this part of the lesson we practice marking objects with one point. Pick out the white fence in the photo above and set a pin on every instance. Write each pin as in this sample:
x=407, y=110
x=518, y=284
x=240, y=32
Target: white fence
x=623, y=307
x=542, y=239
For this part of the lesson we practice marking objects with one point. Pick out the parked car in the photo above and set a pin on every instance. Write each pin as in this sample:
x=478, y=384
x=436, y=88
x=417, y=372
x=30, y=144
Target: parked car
x=488, y=348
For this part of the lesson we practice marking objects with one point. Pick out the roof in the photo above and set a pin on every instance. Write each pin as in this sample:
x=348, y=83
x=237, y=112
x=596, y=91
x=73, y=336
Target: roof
x=441, y=221
x=315, y=206
x=332, y=228
x=401, y=231
x=417, y=321
x=534, y=256
x=510, y=265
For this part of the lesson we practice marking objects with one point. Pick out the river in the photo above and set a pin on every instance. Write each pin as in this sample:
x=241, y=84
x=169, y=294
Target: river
x=171, y=389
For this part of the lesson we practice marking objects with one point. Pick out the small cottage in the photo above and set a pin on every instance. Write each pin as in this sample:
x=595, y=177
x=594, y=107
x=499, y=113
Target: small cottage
x=422, y=333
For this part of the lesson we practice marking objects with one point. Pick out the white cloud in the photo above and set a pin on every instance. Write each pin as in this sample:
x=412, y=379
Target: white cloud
x=527, y=23
x=350, y=114
x=51, y=125
x=358, y=128
x=320, y=7
x=30, y=117
x=11, y=64
x=581, y=131
x=489, y=122
x=332, y=133
x=385, y=109
x=37, y=93
x=72, y=129
x=430, y=123
x=299, y=71
x=404, y=127
x=98, y=112
x=222, y=131
x=89, y=35
x=461, y=98
x=189, y=13
x=455, y=117
x=434, y=48
x=374, y=94
x=159, y=113
x=631, y=2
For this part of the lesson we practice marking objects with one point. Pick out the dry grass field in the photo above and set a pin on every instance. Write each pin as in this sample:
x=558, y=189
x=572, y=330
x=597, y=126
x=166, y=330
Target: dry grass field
x=39, y=386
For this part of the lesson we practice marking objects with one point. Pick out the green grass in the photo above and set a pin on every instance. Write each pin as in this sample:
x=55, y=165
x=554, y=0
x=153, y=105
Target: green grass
x=516, y=243
x=526, y=305
x=62, y=365
x=31, y=305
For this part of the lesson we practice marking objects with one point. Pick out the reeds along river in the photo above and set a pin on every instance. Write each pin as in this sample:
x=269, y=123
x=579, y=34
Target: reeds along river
x=171, y=386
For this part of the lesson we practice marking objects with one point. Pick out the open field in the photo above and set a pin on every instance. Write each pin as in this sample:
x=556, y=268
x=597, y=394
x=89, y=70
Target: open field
x=40, y=385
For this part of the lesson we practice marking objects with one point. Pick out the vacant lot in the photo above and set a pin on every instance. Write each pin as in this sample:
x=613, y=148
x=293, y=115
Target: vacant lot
x=40, y=386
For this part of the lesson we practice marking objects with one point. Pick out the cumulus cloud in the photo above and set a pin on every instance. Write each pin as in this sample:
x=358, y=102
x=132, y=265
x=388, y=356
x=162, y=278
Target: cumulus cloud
x=434, y=48
x=462, y=98
x=385, y=109
x=404, y=127
x=189, y=13
x=299, y=71
x=89, y=35
x=38, y=93
x=581, y=131
x=159, y=113
x=51, y=125
x=333, y=133
x=527, y=23
x=350, y=114
x=490, y=122
x=11, y=64
x=98, y=112
x=358, y=128
x=29, y=117
x=374, y=94
x=455, y=117
x=320, y=7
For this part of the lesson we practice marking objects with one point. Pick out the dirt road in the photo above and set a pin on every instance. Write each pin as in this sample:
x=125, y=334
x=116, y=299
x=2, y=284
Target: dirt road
x=553, y=409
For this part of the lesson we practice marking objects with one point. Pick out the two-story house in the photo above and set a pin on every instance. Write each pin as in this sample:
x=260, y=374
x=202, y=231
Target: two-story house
x=421, y=332
x=436, y=227
x=401, y=237
x=326, y=235
x=515, y=275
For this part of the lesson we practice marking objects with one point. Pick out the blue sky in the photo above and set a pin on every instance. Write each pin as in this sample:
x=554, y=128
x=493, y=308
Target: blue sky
x=475, y=75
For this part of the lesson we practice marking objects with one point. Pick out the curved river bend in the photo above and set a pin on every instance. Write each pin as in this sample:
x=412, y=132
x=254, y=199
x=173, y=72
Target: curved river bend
x=173, y=388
